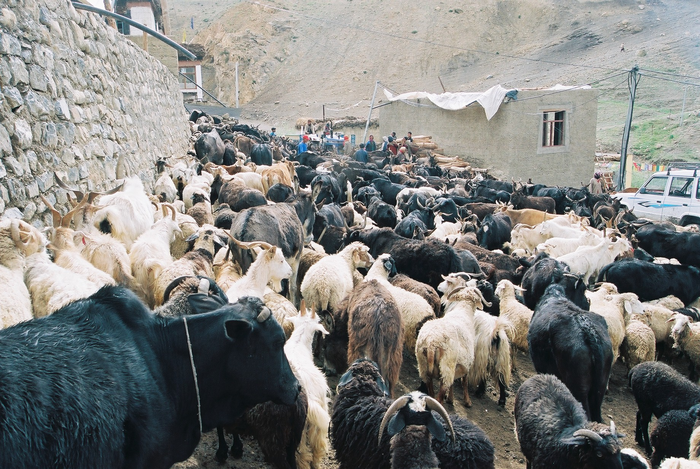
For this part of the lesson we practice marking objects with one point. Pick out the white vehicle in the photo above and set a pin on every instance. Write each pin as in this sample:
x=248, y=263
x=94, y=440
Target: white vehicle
x=672, y=195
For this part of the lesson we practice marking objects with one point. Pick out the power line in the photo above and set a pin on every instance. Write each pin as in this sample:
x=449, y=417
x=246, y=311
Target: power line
x=668, y=79
x=668, y=73
x=425, y=41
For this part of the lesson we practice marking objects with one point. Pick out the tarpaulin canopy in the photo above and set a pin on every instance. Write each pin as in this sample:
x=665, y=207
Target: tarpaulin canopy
x=490, y=99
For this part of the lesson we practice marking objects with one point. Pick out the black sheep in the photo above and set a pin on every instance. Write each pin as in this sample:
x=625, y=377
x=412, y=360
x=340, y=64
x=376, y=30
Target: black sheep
x=359, y=406
x=658, y=388
x=671, y=436
x=553, y=430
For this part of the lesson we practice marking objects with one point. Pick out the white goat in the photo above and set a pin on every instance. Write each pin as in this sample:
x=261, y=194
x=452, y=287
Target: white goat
x=491, y=353
x=314, y=441
x=270, y=266
x=51, y=286
x=126, y=214
x=557, y=247
x=445, y=346
x=588, y=260
x=150, y=253
x=18, y=239
x=414, y=309
x=330, y=279
x=165, y=188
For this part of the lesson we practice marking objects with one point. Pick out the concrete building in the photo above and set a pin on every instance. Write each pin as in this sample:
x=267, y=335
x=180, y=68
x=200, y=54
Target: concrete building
x=546, y=135
x=191, y=83
x=152, y=14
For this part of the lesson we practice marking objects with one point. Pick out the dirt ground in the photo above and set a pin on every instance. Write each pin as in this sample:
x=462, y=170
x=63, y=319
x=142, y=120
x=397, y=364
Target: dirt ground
x=497, y=422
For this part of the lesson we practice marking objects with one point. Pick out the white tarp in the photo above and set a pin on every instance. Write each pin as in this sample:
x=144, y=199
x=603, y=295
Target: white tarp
x=490, y=99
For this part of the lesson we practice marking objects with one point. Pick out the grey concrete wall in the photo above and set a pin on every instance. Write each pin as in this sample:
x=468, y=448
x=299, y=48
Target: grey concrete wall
x=508, y=144
x=76, y=96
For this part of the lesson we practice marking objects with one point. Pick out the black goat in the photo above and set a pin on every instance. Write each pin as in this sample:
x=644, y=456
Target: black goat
x=574, y=345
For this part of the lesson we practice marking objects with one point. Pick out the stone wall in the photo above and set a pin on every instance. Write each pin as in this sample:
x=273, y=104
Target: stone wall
x=77, y=98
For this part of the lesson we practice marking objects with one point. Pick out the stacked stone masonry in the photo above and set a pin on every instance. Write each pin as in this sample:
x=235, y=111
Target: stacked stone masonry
x=77, y=98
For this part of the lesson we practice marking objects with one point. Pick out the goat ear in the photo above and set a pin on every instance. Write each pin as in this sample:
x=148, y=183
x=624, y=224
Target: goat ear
x=345, y=379
x=396, y=424
x=203, y=303
x=436, y=429
x=237, y=329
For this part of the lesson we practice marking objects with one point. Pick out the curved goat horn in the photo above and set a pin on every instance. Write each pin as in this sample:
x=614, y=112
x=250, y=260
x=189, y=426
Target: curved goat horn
x=590, y=434
x=432, y=404
x=57, y=218
x=393, y=409
x=250, y=245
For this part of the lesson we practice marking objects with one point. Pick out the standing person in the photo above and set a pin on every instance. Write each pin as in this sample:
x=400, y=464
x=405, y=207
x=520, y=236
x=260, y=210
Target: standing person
x=303, y=145
x=309, y=127
x=361, y=154
x=385, y=143
x=408, y=138
x=371, y=144
x=273, y=132
x=595, y=186
x=327, y=131
x=393, y=148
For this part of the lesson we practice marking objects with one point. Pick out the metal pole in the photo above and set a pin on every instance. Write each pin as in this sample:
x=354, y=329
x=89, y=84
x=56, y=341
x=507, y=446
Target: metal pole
x=371, y=106
x=208, y=93
x=237, y=105
x=632, y=81
x=168, y=41
x=443, y=86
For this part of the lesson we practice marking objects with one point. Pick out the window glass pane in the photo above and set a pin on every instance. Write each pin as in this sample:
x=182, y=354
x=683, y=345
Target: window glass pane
x=656, y=185
x=681, y=187
x=553, y=128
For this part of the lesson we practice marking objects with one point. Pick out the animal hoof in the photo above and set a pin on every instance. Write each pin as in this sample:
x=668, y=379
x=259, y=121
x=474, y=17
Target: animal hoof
x=221, y=456
x=237, y=450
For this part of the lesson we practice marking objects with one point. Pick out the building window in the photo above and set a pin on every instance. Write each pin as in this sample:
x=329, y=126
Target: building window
x=553, y=128
x=122, y=27
x=186, y=84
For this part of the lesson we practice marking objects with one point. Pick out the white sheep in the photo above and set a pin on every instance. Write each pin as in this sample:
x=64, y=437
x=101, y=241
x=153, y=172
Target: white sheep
x=515, y=312
x=639, y=344
x=150, y=253
x=415, y=310
x=269, y=266
x=613, y=306
x=330, y=279
x=126, y=214
x=445, y=346
x=18, y=239
x=658, y=318
x=668, y=302
x=298, y=349
x=686, y=338
x=51, y=287
x=679, y=463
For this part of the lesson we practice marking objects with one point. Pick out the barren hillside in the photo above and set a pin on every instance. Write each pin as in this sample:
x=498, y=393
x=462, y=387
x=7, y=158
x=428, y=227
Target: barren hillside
x=297, y=55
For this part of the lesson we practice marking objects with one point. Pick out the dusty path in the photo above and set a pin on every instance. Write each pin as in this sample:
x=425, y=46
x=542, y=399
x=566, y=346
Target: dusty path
x=497, y=422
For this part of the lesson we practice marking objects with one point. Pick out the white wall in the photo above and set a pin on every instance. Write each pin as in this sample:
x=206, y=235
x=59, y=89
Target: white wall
x=143, y=15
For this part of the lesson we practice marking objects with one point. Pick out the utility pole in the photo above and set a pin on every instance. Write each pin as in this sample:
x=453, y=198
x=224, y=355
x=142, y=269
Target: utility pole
x=632, y=82
x=371, y=106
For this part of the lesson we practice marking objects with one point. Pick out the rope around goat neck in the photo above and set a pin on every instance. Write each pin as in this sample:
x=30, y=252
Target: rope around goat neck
x=194, y=374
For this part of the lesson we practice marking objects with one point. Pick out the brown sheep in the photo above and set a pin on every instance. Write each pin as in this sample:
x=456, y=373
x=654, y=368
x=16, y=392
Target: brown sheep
x=375, y=329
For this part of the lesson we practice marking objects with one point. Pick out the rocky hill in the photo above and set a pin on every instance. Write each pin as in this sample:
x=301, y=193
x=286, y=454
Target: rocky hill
x=296, y=56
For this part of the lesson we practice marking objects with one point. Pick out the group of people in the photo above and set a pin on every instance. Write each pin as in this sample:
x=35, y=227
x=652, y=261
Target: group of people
x=400, y=148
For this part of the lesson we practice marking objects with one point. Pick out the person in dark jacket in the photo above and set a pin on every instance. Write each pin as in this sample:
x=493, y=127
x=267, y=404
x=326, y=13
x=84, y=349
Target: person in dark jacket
x=371, y=144
x=361, y=154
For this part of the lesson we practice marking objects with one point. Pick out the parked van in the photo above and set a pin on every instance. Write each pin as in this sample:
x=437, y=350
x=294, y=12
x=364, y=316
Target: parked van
x=672, y=195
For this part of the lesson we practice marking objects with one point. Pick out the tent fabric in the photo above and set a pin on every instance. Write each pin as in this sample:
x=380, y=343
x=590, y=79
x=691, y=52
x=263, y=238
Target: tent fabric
x=490, y=99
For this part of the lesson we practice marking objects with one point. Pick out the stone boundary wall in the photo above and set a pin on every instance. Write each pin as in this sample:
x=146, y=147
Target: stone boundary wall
x=77, y=98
